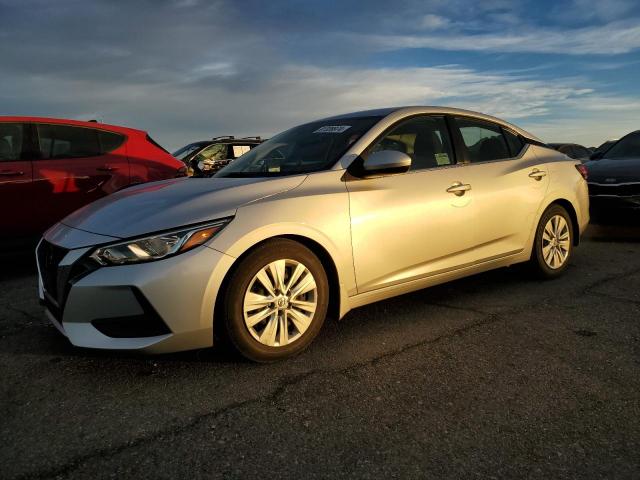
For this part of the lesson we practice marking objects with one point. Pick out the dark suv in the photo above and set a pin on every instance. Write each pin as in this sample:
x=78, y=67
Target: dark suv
x=209, y=156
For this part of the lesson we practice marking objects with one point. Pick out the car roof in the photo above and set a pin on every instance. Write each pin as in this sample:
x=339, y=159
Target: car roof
x=416, y=110
x=68, y=121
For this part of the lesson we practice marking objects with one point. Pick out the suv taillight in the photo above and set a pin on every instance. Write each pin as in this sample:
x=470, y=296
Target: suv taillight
x=583, y=171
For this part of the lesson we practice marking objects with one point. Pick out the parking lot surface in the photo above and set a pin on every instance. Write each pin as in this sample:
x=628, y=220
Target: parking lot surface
x=497, y=375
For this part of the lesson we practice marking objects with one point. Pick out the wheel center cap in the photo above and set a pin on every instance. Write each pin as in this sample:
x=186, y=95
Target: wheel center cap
x=282, y=302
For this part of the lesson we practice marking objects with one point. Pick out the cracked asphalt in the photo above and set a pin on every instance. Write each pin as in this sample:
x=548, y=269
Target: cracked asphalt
x=493, y=376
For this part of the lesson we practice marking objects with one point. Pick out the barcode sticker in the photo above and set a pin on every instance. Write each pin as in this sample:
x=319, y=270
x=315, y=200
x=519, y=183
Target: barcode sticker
x=333, y=129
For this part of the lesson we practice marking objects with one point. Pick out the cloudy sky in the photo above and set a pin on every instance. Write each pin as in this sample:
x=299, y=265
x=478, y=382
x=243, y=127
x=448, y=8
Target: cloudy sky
x=184, y=70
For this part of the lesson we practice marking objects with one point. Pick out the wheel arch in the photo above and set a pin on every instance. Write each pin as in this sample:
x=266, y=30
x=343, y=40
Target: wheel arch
x=327, y=261
x=568, y=206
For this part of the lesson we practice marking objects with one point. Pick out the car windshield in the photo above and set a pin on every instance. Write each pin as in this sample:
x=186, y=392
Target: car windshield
x=307, y=148
x=627, y=147
x=184, y=152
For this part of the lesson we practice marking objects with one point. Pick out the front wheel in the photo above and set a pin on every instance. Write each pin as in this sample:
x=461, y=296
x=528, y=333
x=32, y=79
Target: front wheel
x=276, y=301
x=553, y=243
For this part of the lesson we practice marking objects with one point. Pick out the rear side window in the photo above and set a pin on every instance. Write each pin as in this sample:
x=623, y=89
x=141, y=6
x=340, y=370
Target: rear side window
x=11, y=137
x=514, y=142
x=109, y=141
x=65, y=141
x=484, y=141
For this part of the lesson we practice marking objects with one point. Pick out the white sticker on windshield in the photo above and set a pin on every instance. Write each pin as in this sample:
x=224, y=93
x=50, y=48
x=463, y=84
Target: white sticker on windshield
x=333, y=129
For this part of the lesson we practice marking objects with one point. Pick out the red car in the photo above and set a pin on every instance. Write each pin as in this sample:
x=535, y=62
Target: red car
x=51, y=167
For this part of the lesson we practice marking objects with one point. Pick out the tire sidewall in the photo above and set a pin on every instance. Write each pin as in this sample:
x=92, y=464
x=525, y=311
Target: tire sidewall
x=241, y=278
x=541, y=266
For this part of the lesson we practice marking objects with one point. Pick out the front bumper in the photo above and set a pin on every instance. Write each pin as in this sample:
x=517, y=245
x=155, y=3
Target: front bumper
x=155, y=307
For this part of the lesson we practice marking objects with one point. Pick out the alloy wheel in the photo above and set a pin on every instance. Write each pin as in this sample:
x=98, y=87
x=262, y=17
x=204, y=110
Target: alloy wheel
x=556, y=242
x=280, y=302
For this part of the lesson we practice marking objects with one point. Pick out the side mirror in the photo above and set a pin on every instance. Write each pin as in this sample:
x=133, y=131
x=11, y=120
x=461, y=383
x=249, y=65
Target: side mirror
x=386, y=161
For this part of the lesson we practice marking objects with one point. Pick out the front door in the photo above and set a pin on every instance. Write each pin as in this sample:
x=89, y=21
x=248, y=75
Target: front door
x=415, y=224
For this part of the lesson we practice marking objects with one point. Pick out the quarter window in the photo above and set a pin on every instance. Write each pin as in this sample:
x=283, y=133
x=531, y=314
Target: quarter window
x=514, y=142
x=424, y=139
x=11, y=135
x=109, y=141
x=484, y=141
x=65, y=141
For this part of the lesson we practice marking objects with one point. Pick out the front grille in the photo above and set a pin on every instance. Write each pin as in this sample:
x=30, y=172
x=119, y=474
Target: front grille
x=617, y=190
x=49, y=257
x=57, y=279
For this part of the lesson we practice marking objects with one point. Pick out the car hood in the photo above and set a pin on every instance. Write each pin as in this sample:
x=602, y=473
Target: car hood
x=614, y=171
x=168, y=204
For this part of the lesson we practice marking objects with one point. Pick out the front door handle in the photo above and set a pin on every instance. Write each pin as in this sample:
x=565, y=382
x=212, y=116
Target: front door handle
x=11, y=173
x=537, y=174
x=106, y=168
x=459, y=188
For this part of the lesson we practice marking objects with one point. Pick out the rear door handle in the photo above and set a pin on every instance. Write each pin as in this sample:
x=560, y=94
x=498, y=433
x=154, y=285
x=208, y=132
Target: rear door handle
x=106, y=168
x=11, y=173
x=537, y=174
x=459, y=188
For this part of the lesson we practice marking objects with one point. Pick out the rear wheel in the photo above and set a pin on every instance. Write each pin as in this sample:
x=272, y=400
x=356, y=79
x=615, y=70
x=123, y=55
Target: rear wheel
x=553, y=243
x=276, y=301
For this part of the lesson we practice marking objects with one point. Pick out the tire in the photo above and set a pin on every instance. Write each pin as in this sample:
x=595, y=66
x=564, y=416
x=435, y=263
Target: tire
x=552, y=252
x=256, y=308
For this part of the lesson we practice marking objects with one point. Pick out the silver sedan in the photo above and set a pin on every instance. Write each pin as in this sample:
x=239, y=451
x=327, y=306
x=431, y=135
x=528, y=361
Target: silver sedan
x=320, y=219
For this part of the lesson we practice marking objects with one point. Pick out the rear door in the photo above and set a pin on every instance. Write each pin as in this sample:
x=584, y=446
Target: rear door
x=509, y=184
x=16, y=182
x=76, y=166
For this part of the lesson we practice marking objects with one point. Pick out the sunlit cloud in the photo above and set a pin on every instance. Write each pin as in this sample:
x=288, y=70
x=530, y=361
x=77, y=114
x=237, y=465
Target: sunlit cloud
x=613, y=38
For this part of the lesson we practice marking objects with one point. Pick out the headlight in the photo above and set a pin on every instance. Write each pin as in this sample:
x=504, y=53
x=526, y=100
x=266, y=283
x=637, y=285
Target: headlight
x=156, y=247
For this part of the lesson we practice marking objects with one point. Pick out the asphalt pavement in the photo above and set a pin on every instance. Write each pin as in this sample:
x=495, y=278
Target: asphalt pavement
x=494, y=376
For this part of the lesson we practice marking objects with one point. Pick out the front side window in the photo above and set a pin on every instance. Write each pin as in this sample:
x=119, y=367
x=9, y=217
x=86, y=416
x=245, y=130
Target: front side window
x=307, y=148
x=11, y=136
x=483, y=140
x=627, y=147
x=65, y=141
x=425, y=139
